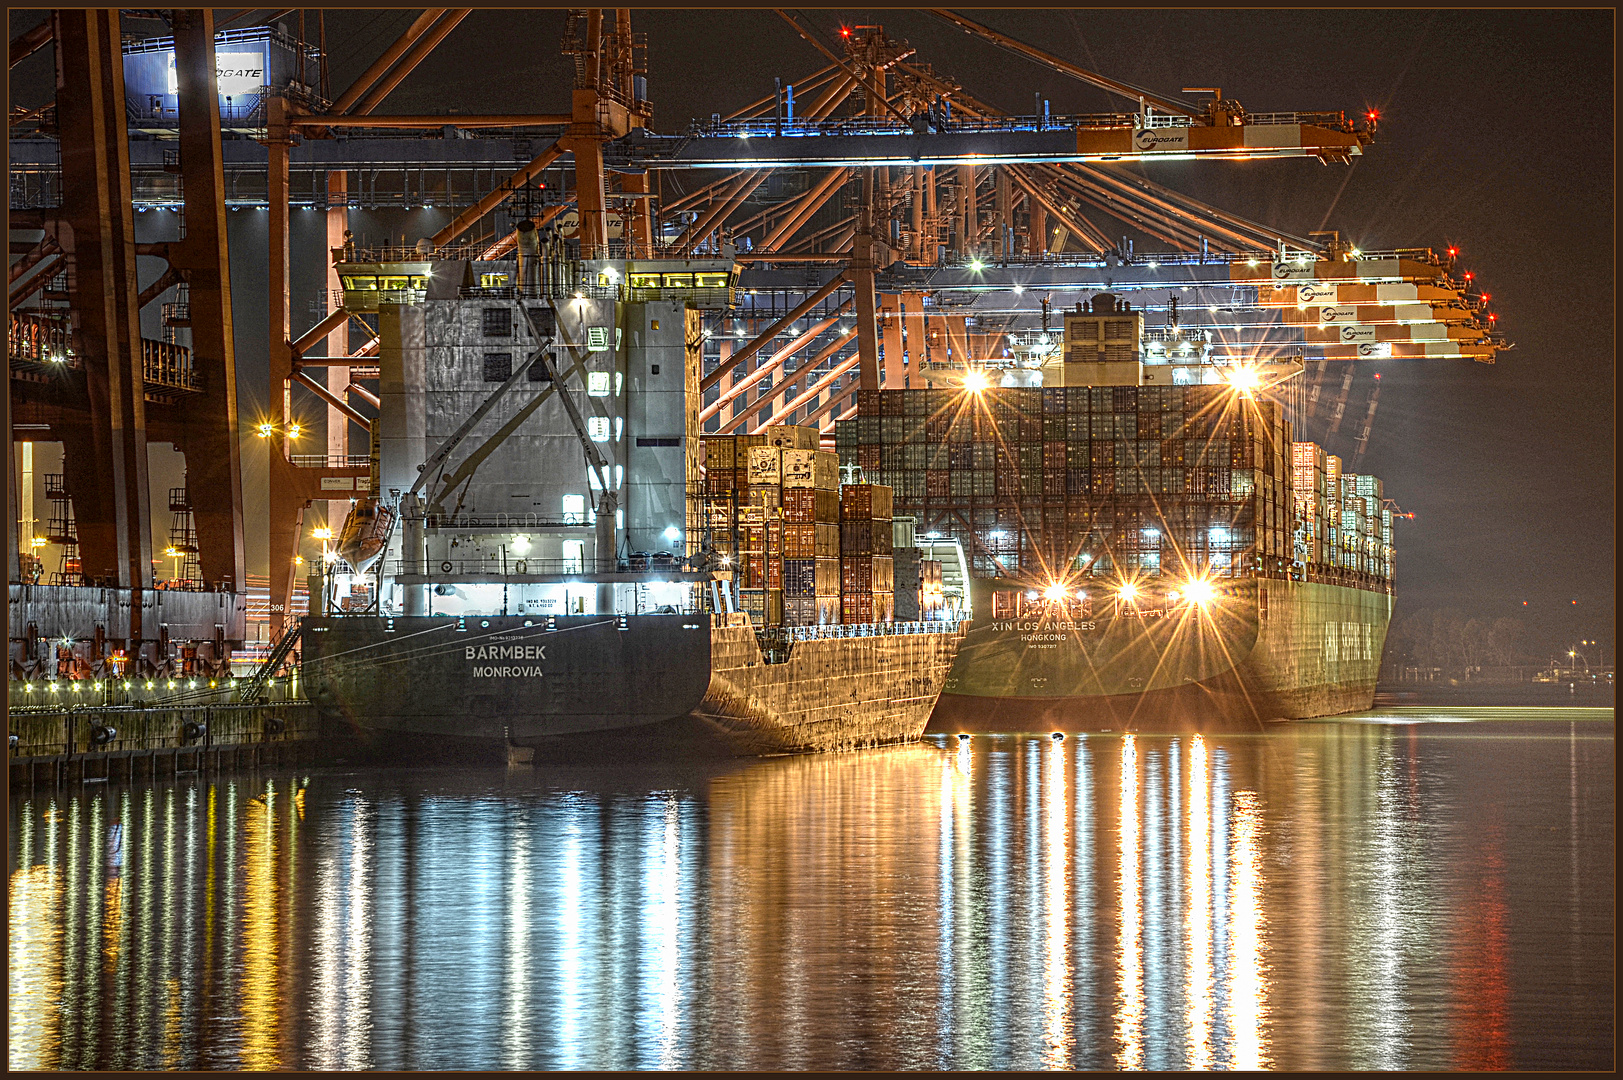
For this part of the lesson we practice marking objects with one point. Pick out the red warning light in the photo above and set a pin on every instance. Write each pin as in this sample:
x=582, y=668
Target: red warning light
x=845, y=31
x=1485, y=296
x=1377, y=377
x=1453, y=251
x=1469, y=276
x=1492, y=317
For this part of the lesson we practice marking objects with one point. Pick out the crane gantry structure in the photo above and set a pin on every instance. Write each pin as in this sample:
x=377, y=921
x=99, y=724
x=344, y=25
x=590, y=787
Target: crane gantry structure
x=888, y=225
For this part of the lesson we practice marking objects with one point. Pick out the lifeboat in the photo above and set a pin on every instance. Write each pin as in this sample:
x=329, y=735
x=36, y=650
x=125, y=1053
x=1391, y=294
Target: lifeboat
x=366, y=533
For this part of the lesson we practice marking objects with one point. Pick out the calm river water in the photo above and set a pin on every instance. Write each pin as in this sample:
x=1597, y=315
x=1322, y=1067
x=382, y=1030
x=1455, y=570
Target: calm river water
x=1410, y=890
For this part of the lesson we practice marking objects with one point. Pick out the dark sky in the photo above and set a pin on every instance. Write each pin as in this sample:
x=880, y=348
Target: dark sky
x=1496, y=136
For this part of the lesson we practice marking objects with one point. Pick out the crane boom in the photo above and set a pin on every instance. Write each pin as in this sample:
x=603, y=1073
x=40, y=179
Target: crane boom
x=1120, y=89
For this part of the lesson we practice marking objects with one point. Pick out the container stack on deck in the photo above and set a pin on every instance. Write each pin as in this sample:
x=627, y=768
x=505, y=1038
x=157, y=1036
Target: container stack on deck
x=867, y=571
x=1137, y=479
x=1342, y=519
x=1308, y=465
x=771, y=505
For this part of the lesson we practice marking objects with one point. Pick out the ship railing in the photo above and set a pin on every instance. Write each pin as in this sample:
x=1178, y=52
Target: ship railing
x=329, y=461
x=547, y=290
x=882, y=629
x=516, y=568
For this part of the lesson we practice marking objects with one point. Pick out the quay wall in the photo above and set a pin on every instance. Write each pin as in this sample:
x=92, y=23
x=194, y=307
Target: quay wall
x=49, y=747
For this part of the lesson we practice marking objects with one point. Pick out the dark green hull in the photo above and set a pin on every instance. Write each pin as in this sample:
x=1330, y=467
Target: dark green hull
x=1265, y=650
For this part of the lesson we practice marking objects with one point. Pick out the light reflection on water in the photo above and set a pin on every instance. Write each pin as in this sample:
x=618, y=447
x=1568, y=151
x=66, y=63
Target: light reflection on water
x=1327, y=896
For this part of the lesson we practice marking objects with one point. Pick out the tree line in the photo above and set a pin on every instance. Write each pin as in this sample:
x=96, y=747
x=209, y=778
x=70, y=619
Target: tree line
x=1451, y=640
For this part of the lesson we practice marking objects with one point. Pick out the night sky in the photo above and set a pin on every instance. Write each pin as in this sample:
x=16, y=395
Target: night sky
x=1496, y=137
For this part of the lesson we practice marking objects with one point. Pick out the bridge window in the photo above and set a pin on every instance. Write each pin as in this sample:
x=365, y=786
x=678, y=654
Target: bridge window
x=710, y=281
x=679, y=281
x=358, y=282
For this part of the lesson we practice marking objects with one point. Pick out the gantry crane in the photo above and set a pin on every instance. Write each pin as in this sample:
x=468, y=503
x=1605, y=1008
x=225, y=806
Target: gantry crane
x=963, y=228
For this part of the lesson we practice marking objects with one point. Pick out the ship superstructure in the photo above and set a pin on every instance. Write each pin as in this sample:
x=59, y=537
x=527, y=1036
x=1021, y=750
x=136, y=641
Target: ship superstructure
x=552, y=573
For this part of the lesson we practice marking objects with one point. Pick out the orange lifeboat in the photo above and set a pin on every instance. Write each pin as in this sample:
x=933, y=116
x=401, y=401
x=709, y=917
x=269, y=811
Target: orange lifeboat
x=365, y=535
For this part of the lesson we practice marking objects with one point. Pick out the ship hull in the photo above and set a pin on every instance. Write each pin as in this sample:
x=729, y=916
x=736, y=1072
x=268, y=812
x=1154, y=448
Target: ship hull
x=662, y=683
x=1267, y=650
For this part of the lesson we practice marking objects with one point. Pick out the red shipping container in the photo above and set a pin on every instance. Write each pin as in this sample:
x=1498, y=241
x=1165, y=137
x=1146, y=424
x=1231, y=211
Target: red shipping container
x=856, y=609
x=799, y=506
x=799, y=541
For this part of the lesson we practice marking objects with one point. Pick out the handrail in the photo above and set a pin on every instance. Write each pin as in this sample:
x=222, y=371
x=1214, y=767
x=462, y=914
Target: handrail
x=828, y=631
x=41, y=339
x=267, y=670
x=329, y=461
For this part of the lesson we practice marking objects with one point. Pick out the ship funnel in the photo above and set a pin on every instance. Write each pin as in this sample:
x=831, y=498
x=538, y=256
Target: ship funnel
x=529, y=250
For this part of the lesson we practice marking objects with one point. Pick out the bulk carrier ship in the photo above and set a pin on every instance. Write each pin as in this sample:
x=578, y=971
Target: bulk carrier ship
x=1147, y=546
x=533, y=565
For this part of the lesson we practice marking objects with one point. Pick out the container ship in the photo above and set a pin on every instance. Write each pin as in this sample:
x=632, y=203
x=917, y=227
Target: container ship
x=540, y=561
x=1145, y=545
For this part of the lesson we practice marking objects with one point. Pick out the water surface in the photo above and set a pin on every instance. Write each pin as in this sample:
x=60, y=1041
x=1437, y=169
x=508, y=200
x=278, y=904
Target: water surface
x=1414, y=889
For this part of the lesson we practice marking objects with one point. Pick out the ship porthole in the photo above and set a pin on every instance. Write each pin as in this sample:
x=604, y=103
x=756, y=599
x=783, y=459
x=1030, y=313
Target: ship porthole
x=445, y=567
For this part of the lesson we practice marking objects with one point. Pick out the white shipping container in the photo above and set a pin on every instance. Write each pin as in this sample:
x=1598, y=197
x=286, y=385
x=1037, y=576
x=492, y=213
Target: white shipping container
x=797, y=468
x=811, y=469
x=792, y=437
x=766, y=465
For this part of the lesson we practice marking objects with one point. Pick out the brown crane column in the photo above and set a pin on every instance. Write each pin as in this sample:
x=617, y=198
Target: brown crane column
x=969, y=228
x=933, y=223
x=862, y=245
x=209, y=424
x=585, y=140
x=890, y=339
x=338, y=340
x=106, y=472
x=286, y=506
x=1000, y=212
x=918, y=213
x=640, y=242
x=912, y=305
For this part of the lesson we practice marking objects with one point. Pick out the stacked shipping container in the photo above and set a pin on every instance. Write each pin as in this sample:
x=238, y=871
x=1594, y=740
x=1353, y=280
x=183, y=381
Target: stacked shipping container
x=807, y=552
x=867, y=570
x=771, y=507
x=1132, y=479
x=1342, y=521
